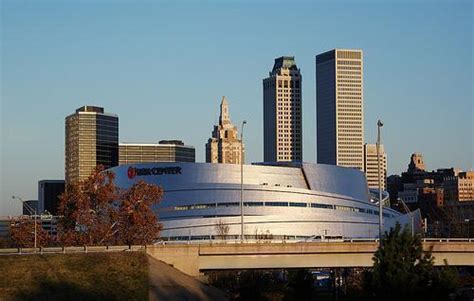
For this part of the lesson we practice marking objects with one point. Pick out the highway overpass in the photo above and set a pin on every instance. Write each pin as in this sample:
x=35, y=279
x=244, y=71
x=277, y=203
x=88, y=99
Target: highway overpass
x=194, y=259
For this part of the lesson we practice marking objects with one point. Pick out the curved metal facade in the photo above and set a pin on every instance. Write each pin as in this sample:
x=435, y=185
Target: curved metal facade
x=281, y=201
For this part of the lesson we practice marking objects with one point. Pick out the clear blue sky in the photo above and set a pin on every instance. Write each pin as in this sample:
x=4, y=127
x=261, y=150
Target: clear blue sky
x=163, y=68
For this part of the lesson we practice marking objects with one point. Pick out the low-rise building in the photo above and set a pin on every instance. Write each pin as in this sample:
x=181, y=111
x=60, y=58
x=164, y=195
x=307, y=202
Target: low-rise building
x=49, y=192
x=163, y=151
x=409, y=194
x=30, y=207
x=460, y=188
x=5, y=223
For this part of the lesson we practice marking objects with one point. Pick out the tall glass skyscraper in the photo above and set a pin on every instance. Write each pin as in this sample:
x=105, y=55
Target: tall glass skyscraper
x=339, y=108
x=91, y=140
x=282, y=112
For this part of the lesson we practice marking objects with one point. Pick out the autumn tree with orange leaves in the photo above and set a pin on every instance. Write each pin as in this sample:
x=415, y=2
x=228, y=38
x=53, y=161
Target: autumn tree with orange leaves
x=136, y=222
x=87, y=212
x=96, y=212
x=22, y=232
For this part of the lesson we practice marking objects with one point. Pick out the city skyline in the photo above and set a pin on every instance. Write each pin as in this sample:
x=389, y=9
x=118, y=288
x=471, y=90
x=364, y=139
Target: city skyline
x=142, y=105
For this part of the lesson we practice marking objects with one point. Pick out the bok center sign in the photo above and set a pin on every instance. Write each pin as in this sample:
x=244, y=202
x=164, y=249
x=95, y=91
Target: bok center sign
x=132, y=172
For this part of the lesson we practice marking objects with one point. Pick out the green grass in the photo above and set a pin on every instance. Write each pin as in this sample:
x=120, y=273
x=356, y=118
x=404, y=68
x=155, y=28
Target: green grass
x=92, y=276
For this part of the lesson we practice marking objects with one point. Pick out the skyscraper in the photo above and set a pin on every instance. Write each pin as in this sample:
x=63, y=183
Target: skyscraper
x=224, y=146
x=371, y=166
x=91, y=140
x=282, y=116
x=339, y=108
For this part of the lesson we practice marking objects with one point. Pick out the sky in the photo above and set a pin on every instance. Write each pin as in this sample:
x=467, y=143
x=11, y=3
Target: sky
x=163, y=67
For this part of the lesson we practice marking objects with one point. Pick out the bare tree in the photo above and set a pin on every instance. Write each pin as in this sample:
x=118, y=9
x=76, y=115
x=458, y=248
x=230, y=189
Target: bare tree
x=455, y=221
x=222, y=229
x=264, y=237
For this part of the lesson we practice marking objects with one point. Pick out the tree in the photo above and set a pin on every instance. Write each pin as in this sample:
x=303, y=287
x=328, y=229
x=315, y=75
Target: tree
x=96, y=212
x=88, y=216
x=137, y=223
x=402, y=271
x=222, y=229
x=22, y=232
x=300, y=285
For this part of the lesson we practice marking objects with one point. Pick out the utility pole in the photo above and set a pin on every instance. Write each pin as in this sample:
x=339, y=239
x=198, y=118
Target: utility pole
x=379, y=125
x=242, y=182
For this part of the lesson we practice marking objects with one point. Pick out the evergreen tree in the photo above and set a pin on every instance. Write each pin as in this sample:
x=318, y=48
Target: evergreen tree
x=402, y=271
x=300, y=285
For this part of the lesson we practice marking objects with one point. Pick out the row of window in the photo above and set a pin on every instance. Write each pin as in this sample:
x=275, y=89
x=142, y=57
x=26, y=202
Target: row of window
x=349, y=77
x=340, y=97
x=276, y=204
x=359, y=82
x=288, y=83
x=289, y=103
x=288, y=109
x=342, y=54
x=348, y=68
x=348, y=72
x=356, y=63
x=349, y=93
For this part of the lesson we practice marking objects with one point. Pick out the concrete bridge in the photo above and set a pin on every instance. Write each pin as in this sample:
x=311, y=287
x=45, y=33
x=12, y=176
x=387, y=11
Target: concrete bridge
x=194, y=259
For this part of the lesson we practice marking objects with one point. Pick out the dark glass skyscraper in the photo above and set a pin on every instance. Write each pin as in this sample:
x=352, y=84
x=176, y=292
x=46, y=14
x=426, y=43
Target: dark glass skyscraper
x=48, y=195
x=91, y=140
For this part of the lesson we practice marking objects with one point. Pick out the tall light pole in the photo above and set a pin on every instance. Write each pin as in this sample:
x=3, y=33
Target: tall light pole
x=242, y=182
x=379, y=125
x=31, y=210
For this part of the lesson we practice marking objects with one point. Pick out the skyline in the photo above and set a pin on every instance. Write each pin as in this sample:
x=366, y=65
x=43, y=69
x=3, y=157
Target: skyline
x=52, y=64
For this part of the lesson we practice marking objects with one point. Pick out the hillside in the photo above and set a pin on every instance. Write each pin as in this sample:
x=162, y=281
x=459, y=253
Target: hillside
x=98, y=276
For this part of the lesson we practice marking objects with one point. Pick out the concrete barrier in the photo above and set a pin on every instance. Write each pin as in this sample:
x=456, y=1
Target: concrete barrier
x=194, y=259
x=67, y=250
x=9, y=251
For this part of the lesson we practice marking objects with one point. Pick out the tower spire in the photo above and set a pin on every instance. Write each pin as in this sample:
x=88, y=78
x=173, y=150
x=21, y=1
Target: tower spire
x=224, y=117
x=224, y=146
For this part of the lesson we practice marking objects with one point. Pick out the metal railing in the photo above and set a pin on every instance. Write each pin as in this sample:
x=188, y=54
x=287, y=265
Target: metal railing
x=280, y=241
x=447, y=240
x=69, y=250
x=140, y=248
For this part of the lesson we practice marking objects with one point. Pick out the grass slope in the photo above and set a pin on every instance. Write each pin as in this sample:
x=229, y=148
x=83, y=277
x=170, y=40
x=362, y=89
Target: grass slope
x=99, y=276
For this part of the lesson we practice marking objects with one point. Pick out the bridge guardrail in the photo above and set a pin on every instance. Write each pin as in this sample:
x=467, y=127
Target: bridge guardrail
x=69, y=250
x=447, y=240
x=253, y=241
x=138, y=248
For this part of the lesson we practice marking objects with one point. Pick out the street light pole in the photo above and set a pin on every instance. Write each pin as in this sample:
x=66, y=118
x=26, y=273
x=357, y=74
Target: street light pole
x=35, y=228
x=379, y=125
x=242, y=182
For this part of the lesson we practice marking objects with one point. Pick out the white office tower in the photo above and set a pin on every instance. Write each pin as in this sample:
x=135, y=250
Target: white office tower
x=339, y=108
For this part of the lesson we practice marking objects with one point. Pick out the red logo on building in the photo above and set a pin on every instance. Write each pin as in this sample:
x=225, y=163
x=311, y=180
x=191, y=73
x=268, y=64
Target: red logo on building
x=131, y=172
